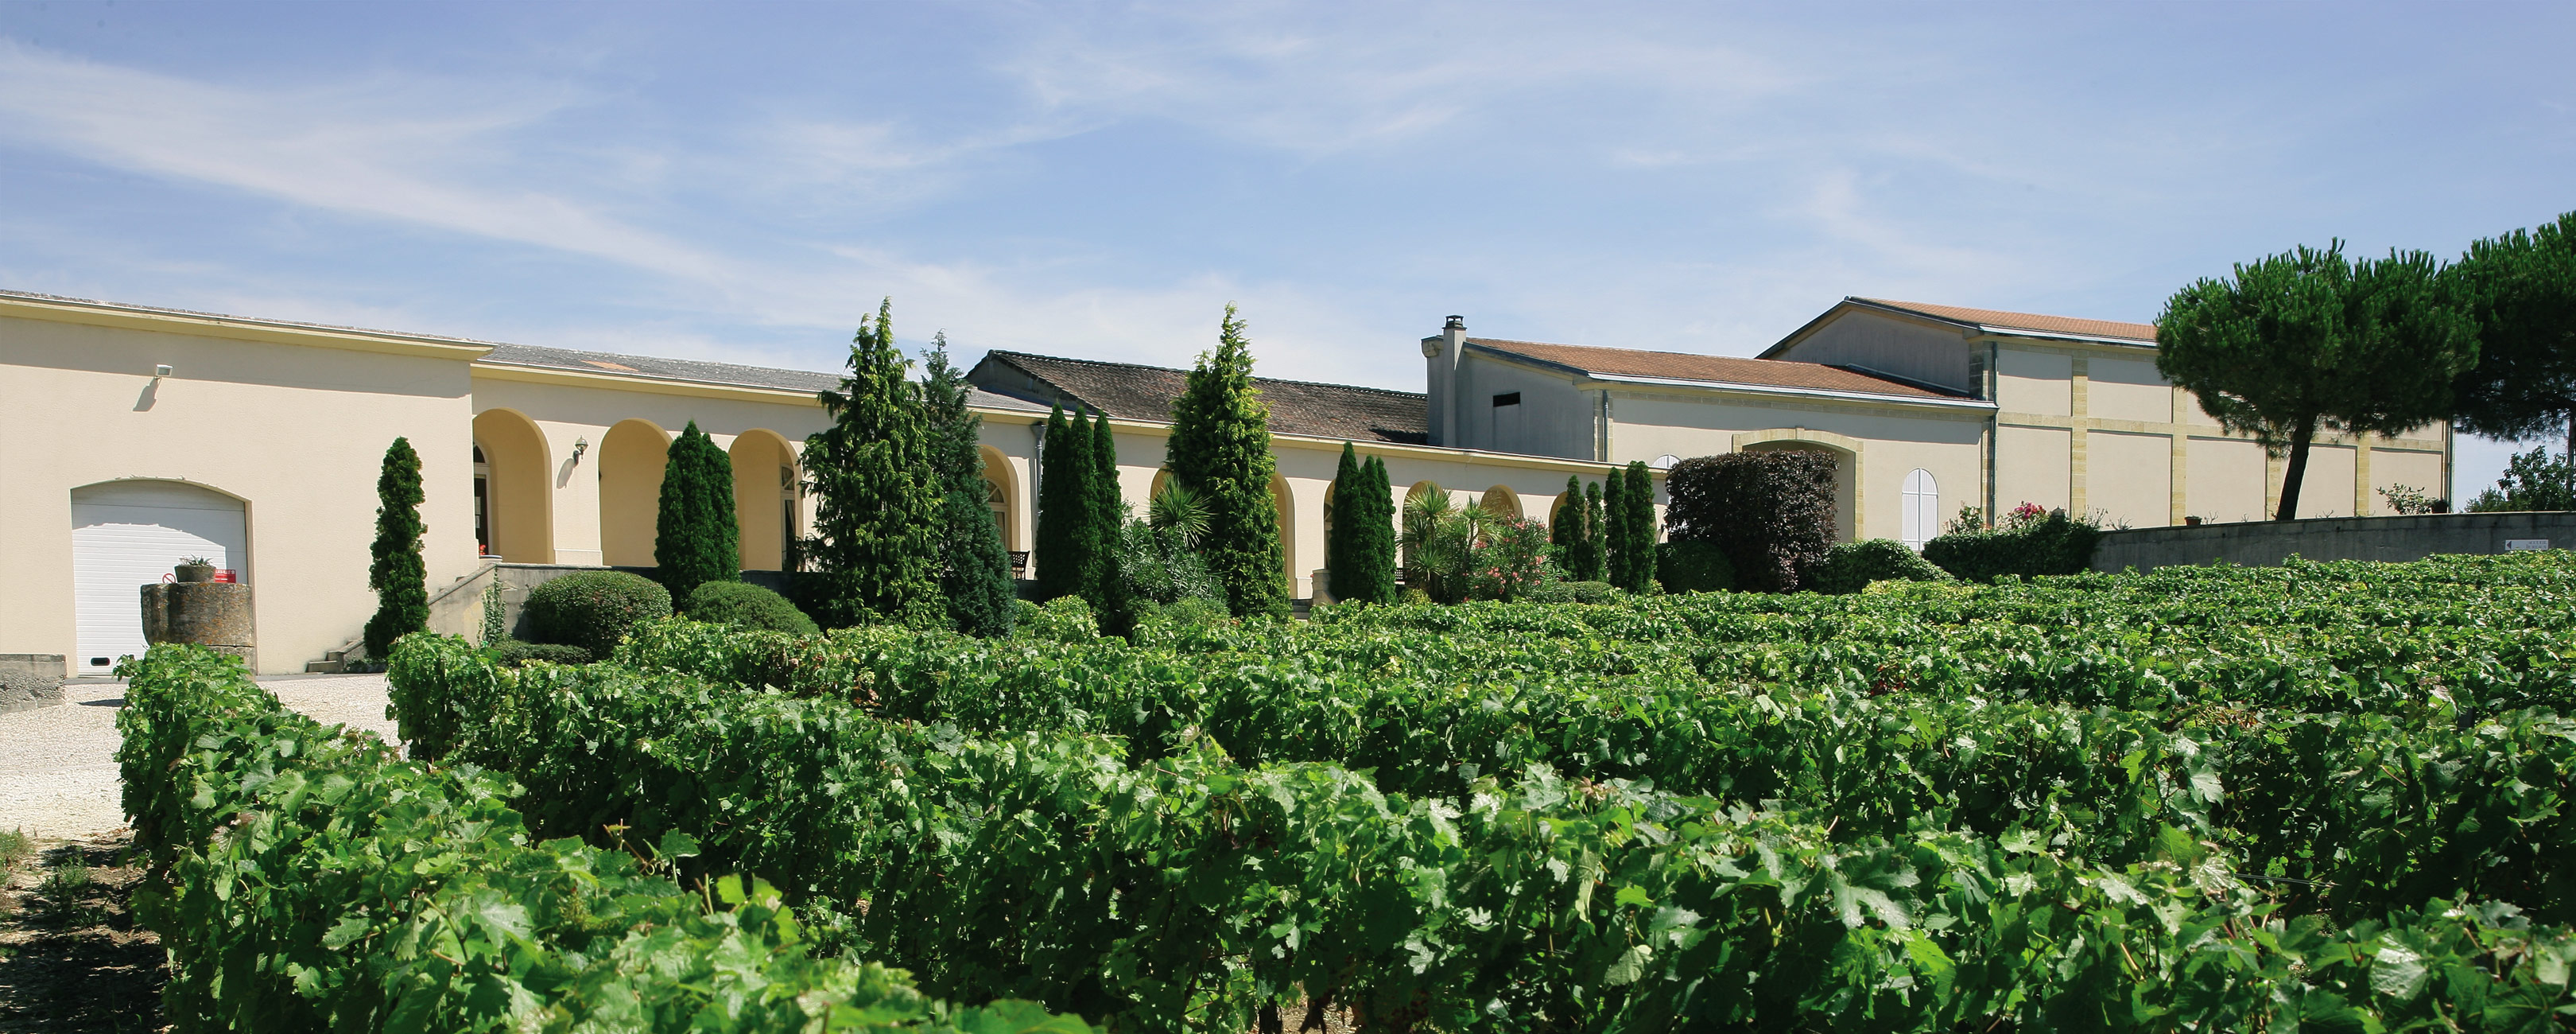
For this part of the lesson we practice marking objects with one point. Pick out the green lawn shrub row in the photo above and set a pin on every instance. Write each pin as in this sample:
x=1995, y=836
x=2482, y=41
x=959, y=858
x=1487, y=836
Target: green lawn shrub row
x=311, y=880
x=1194, y=892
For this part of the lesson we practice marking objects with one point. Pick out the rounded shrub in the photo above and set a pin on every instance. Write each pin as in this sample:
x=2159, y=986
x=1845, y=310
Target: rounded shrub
x=1693, y=565
x=594, y=609
x=2054, y=544
x=746, y=605
x=1850, y=567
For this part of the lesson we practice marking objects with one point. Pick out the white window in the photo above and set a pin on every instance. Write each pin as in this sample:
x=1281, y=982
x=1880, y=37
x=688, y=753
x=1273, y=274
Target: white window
x=1922, y=508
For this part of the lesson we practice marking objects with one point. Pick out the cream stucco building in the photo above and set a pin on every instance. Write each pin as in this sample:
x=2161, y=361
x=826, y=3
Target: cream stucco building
x=133, y=436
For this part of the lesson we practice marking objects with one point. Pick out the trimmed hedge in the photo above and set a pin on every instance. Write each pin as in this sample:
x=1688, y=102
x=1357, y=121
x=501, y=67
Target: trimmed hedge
x=515, y=653
x=1692, y=565
x=1850, y=567
x=748, y=606
x=1771, y=511
x=314, y=881
x=594, y=609
x=2055, y=544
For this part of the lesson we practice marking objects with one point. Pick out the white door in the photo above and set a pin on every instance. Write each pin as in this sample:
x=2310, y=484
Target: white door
x=1922, y=507
x=126, y=534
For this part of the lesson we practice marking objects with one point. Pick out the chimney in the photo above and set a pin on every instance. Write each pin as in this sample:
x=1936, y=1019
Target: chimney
x=1440, y=360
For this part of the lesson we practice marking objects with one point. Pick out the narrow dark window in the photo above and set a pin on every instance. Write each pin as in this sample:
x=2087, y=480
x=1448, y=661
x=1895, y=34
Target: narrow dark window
x=1508, y=398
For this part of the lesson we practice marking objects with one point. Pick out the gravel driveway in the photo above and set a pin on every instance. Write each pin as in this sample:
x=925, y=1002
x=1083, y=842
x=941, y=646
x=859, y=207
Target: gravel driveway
x=58, y=764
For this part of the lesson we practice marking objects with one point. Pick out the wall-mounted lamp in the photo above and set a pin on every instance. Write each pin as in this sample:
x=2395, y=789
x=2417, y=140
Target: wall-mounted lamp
x=579, y=446
x=162, y=370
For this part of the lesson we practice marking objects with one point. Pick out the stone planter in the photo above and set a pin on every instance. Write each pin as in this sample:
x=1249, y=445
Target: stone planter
x=210, y=614
x=190, y=574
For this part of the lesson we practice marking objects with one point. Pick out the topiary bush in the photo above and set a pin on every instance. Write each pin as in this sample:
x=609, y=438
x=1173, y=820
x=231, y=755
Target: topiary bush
x=748, y=606
x=593, y=609
x=2054, y=544
x=1771, y=511
x=1850, y=567
x=515, y=653
x=1692, y=565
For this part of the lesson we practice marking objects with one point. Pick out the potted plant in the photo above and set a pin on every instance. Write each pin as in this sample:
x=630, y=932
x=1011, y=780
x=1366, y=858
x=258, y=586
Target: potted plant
x=195, y=569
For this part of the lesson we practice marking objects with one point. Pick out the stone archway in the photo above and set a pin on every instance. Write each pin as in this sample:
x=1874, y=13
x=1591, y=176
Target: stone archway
x=1003, y=495
x=1501, y=501
x=766, y=488
x=518, y=506
x=631, y=457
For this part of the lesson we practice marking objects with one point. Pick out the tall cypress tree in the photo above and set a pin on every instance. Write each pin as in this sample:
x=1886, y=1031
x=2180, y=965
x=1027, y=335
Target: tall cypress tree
x=1220, y=448
x=1615, y=553
x=1339, y=572
x=1640, y=497
x=1596, y=535
x=396, y=573
x=1372, y=535
x=1108, y=511
x=1070, y=512
x=975, y=572
x=876, y=526
x=1057, y=517
x=695, y=537
x=1577, y=539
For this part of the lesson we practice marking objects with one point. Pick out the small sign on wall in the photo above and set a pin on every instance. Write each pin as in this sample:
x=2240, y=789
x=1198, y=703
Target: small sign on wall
x=2518, y=545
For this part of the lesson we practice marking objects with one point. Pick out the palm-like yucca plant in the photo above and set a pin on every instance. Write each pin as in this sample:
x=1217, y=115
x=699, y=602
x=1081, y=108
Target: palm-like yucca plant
x=1179, y=510
x=1439, y=541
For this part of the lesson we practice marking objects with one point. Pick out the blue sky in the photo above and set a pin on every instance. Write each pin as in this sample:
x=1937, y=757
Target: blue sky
x=744, y=181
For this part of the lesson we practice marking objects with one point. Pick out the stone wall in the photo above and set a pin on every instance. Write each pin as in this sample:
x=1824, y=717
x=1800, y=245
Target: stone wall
x=2258, y=543
x=30, y=680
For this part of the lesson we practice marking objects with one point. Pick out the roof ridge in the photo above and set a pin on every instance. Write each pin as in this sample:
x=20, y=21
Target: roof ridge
x=1978, y=316
x=1641, y=351
x=1172, y=369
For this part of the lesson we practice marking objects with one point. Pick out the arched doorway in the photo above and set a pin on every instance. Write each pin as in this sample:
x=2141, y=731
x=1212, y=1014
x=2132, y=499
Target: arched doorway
x=127, y=534
x=1501, y=501
x=517, y=510
x=631, y=457
x=1283, y=500
x=764, y=498
x=1002, y=495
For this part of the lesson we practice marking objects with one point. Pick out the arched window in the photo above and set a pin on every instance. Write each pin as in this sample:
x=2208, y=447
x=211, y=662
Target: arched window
x=1922, y=508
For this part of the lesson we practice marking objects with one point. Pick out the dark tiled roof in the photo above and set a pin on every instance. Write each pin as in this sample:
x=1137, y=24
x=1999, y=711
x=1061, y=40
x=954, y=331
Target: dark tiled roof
x=2142, y=333
x=1683, y=366
x=1128, y=391
x=696, y=372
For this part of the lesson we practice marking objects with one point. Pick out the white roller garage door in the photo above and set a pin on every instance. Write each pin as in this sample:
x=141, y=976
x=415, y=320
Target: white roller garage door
x=126, y=534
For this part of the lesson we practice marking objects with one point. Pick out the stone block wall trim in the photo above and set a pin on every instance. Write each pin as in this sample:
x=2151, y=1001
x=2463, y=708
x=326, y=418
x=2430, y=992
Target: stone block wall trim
x=2264, y=543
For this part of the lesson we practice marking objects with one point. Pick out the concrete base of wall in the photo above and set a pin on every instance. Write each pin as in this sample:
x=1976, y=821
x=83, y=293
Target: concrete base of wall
x=30, y=680
x=2262, y=543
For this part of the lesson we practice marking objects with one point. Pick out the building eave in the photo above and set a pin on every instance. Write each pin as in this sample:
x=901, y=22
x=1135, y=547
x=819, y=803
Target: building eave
x=238, y=328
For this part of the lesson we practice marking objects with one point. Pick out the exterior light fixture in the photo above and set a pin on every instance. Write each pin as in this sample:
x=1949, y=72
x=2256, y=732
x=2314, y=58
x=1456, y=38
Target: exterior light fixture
x=579, y=446
x=162, y=370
